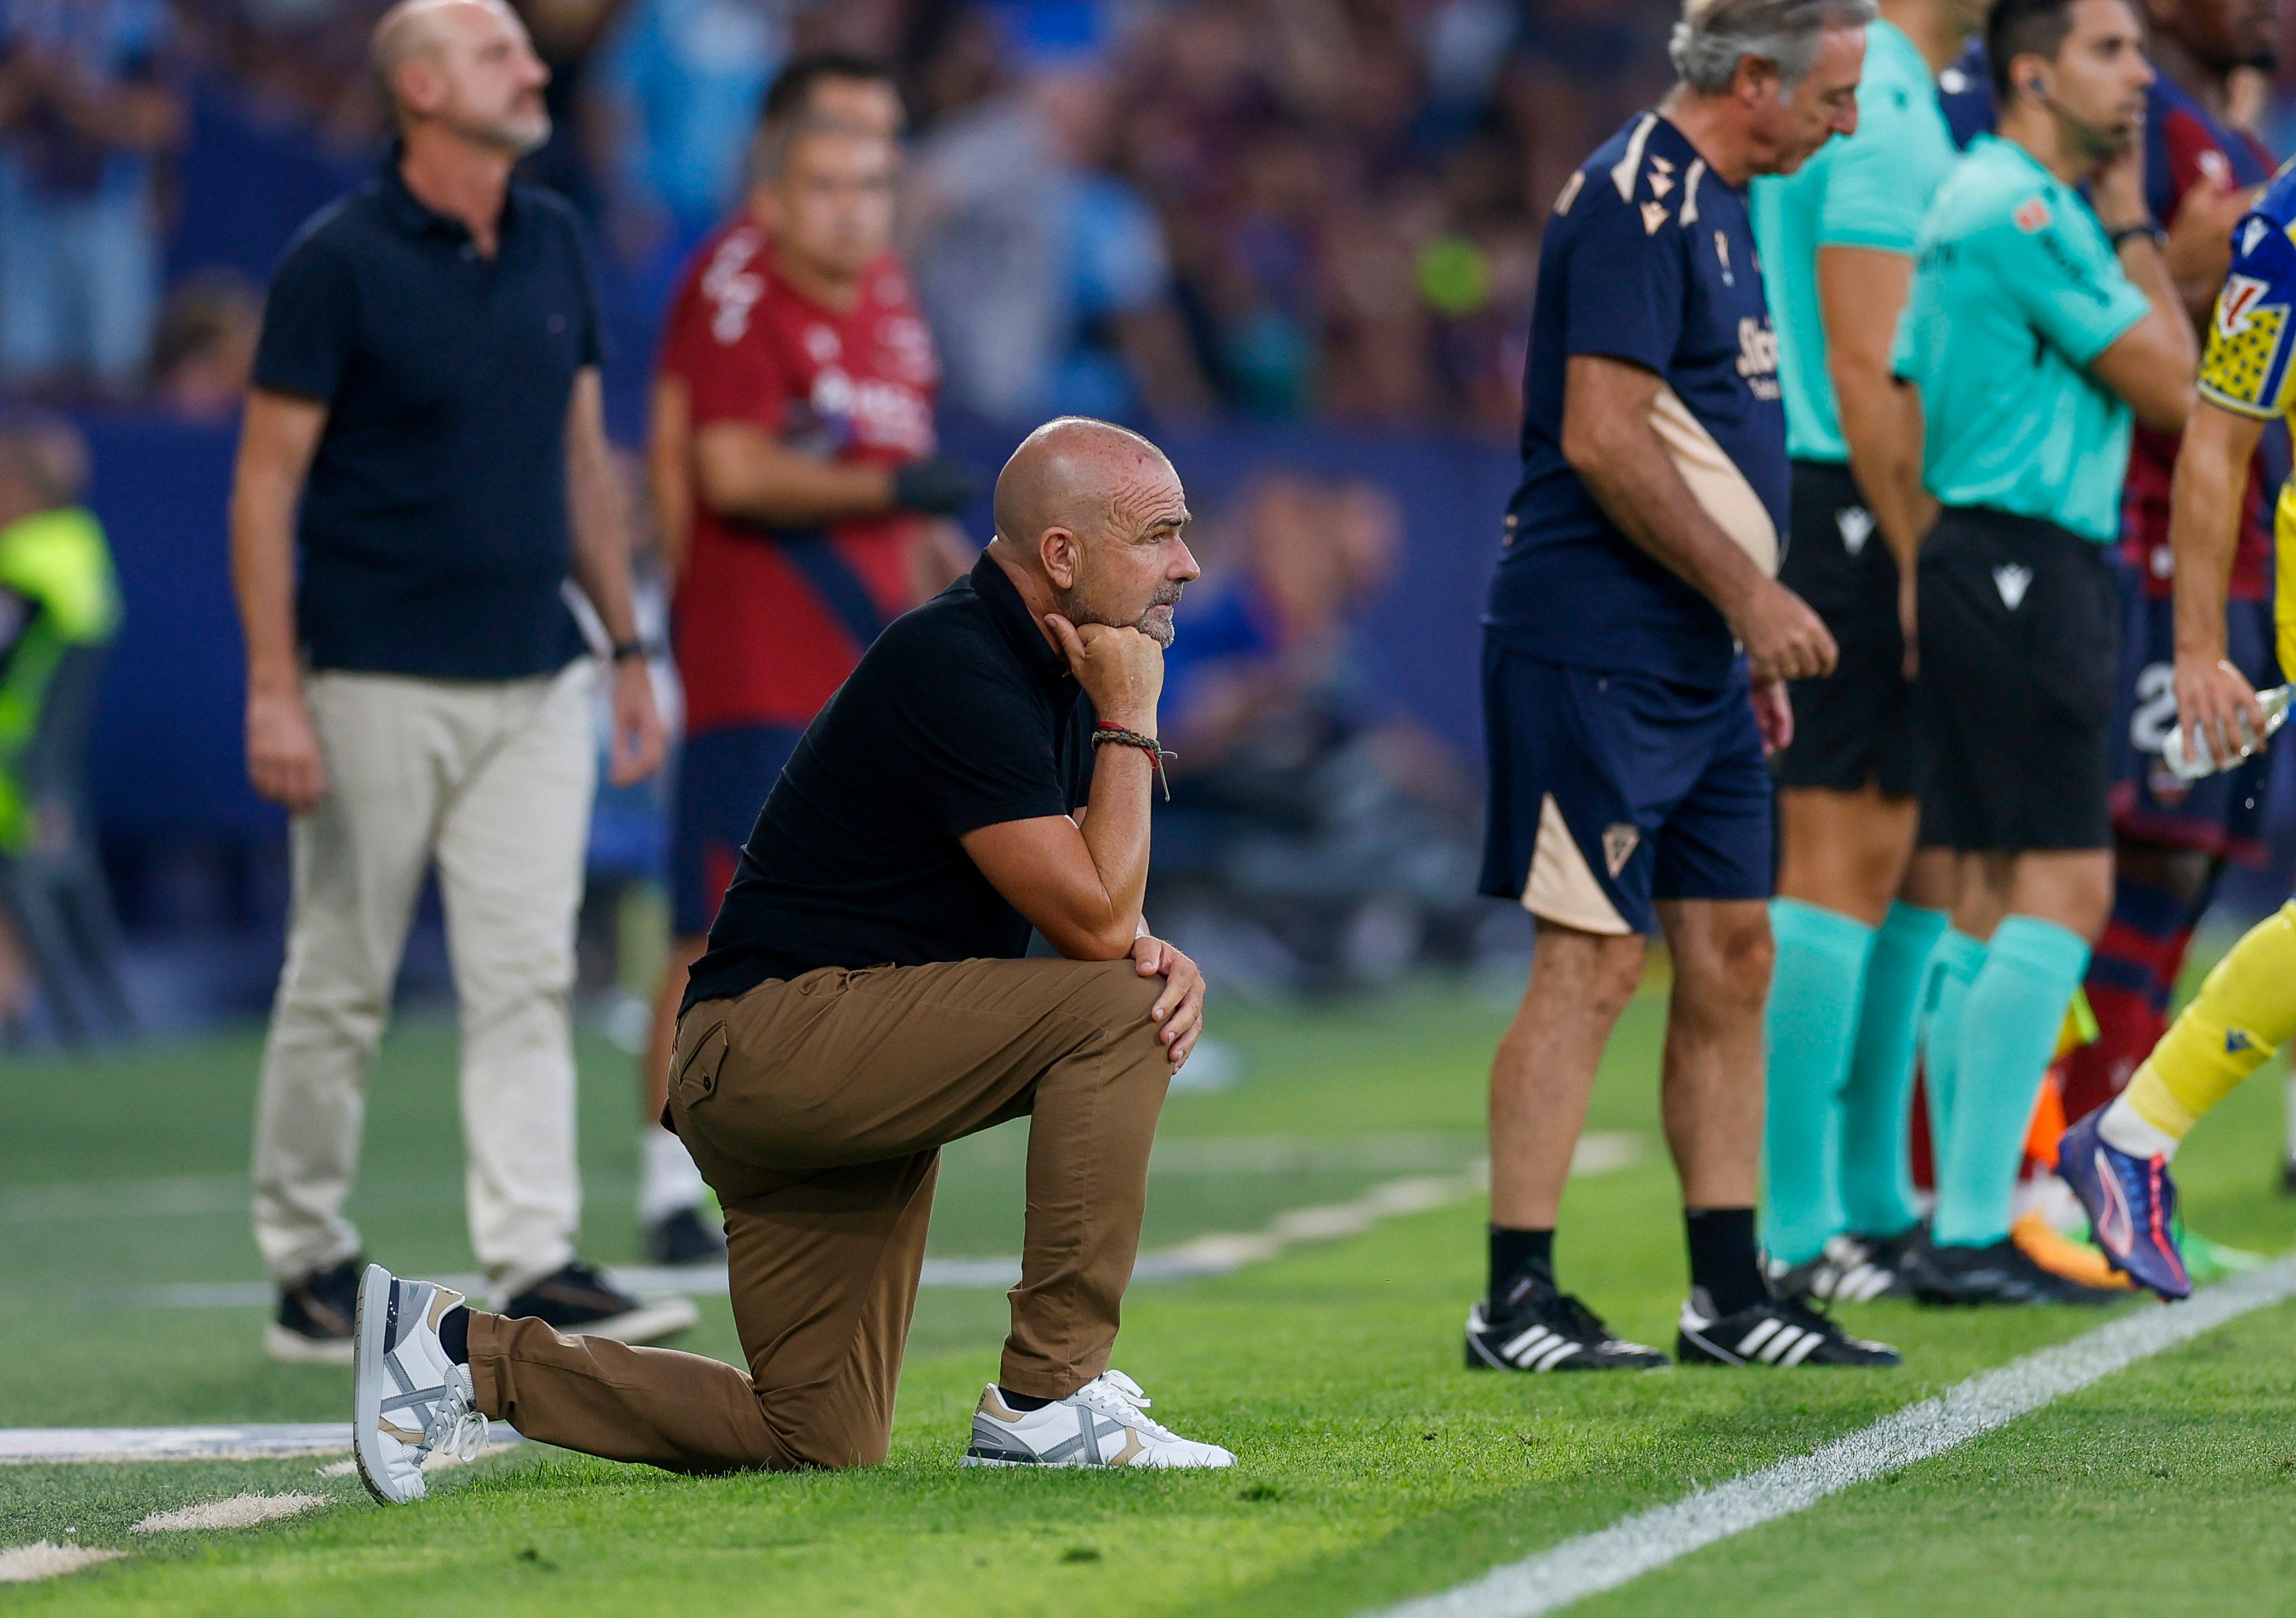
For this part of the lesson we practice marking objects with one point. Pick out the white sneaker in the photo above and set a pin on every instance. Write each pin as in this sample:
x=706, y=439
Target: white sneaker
x=407, y=1399
x=1099, y=1425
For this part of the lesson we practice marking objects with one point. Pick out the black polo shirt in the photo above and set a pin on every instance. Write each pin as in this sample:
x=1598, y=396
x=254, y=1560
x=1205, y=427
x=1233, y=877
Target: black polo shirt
x=433, y=528
x=961, y=715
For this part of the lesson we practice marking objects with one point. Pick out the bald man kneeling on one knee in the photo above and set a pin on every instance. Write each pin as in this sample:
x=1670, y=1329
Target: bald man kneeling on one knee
x=863, y=1000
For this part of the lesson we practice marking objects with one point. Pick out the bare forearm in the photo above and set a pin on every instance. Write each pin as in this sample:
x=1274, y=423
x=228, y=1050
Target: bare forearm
x=749, y=477
x=1115, y=834
x=1885, y=461
x=1637, y=485
x=2141, y=259
x=2204, y=528
x=600, y=525
x=263, y=576
x=602, y=559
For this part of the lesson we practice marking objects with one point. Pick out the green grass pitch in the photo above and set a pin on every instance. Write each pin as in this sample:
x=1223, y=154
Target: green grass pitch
x=1373, y=1467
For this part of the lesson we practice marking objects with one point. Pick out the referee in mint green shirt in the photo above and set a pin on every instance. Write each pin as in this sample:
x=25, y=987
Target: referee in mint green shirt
x=1837, y=243
x=2036, y=324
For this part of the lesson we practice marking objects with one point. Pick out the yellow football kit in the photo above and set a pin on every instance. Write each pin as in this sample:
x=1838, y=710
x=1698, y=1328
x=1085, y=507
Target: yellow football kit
x=2249, y=364
x=2246, y=1009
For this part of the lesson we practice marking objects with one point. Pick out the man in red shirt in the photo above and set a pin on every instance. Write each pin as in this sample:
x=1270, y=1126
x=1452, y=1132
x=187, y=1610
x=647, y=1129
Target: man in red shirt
x=794, y=423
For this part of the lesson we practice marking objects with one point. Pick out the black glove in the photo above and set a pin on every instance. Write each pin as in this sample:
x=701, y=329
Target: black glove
x=939, y=485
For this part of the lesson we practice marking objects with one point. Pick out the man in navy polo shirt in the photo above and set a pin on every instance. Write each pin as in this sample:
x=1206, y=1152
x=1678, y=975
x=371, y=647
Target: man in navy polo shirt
x=1635, y=651
x=427, y=391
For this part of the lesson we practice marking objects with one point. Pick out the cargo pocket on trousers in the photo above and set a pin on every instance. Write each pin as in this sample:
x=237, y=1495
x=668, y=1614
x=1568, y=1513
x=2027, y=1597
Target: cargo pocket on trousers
x=696, y=1079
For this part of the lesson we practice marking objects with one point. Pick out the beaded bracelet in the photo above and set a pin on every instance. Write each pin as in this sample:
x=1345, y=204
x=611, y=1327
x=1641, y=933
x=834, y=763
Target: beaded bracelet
x=1106, y=733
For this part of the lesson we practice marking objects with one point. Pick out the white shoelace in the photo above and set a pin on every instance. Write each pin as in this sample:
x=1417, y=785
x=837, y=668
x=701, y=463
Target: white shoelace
x=1113, y=1393
x=459, y=1431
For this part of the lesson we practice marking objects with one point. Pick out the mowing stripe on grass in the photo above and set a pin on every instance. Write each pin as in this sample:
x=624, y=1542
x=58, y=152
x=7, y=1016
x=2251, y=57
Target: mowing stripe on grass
x=73, y=1201
x=1648, y=1539
x=1220, y=1254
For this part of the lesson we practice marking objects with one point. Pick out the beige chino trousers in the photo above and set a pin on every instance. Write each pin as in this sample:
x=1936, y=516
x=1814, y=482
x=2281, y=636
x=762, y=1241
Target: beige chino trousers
x=816, y=1109
x=493, y=780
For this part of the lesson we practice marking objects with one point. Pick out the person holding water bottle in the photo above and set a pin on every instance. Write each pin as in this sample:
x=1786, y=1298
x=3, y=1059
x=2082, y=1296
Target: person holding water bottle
x=2116, y=1160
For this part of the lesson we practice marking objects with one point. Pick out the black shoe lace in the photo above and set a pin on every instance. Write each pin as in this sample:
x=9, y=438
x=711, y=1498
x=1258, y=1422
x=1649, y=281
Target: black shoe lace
x=1581, y=1319
x=1811, y=1315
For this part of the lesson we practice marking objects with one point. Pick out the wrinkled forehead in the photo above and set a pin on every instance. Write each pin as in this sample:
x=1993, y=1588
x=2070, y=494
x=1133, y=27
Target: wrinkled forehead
x=1144, y=493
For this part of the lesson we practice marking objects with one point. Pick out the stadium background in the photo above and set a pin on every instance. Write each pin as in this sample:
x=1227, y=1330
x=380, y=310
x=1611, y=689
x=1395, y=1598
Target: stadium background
x=1295, y=239
x=1346, y=199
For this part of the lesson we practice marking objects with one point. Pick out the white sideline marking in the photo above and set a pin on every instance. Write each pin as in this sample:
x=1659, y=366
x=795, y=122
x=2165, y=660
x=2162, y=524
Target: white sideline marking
x=24, y=1563
x=1649, y=1540
x=1600, y=1152
x=240, y=1511
x=69, y=1202
x=27, y=1446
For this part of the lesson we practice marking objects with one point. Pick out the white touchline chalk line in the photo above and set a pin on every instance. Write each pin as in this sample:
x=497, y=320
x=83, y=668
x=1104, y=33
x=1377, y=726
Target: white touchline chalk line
x=243, y=1510
x=225, y=1196
x=24, y=1563
x=1599, y=1152
x=1648, y=1539
x=261, y=1440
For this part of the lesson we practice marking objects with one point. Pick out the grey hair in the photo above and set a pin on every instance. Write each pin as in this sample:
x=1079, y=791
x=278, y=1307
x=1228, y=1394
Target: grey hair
x=1714, y=36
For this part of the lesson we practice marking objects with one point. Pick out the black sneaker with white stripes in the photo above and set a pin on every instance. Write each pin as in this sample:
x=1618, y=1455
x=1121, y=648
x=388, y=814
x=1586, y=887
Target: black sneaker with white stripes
x=1546, y=1330
x=1776, y=1331
x=1993, y=1274
x=1852, y=1269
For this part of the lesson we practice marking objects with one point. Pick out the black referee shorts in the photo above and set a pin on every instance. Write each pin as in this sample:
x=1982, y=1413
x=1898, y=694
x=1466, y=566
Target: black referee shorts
x=2021, y=647
x=1857, y=725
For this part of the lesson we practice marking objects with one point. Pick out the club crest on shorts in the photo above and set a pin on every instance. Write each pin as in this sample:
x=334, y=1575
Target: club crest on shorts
x=1856, y=526
x=1619, y=844
x=2012, y=580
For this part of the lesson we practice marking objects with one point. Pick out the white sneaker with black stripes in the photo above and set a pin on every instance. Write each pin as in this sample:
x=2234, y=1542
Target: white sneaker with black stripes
x=1103, y=1424
x=1544, y=1329
x=1776, y=1331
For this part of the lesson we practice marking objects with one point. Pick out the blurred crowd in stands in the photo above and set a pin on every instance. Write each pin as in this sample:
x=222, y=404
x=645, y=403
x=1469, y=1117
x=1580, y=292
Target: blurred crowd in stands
x=1148, y=209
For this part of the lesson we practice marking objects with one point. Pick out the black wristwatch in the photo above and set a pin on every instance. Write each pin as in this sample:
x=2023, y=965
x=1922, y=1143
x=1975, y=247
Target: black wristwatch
x=625, y=650
x=2160, y=237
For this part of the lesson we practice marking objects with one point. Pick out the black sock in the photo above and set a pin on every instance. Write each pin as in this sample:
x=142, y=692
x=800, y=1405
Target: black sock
x=1022, y=1403
x=454, y=1334
x=1515, y=1253
x=1724, y=1258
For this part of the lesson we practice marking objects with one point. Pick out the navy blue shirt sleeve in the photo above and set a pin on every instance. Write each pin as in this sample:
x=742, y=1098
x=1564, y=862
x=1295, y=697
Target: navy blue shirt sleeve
x=310, y=324
x=593, y=350
x=1624, y=282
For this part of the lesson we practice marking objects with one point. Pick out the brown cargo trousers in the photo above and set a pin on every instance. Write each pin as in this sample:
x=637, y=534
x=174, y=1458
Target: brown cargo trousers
x=816, y=1109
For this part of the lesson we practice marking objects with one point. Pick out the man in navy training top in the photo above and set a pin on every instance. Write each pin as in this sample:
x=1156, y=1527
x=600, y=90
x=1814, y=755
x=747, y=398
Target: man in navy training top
x=1635, y=653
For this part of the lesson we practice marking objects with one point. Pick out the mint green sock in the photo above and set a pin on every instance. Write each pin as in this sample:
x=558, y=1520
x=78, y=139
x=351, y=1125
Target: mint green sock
x=1813, y=1022
x=2019, y=999
x=1959, y=959
x=1877, y=1172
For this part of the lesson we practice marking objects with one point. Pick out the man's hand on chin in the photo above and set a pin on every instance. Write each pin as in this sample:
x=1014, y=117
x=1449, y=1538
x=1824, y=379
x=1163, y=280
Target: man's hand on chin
x=1180, y=1008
